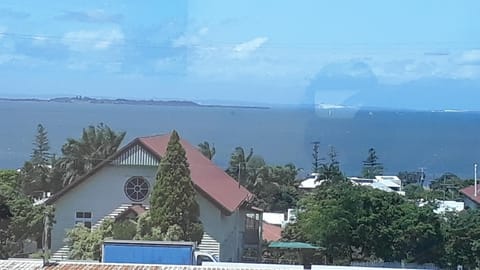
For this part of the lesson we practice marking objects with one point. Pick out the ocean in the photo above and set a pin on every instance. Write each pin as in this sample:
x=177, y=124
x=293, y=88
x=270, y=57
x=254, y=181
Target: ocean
x=438, y=142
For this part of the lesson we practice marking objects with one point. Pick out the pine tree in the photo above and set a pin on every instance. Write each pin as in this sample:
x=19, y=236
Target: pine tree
x=173, y=204
x=371, y=166
x=40, y=155
x=35, y=172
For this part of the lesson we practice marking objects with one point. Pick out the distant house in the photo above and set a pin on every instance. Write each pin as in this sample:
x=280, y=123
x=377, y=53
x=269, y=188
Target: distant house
x=120, y=187
x=385, y=183
x=471, y=199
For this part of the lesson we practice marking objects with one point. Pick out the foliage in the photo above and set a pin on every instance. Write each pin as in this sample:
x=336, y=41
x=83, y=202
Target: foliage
x=275, y=187
x=364, y=224
x=206, y=150
x=449, y=186
x=27, y=221
x=463, y=239
x=40, y=155
x=371, y=166
x=35, y=172
x=237, y=168
x=331, y=169
x=316, y=157
x=173, y=197
x=417, y=192
x=411, y=177
x=80, y=156
x=86, y=244
x=124, y=230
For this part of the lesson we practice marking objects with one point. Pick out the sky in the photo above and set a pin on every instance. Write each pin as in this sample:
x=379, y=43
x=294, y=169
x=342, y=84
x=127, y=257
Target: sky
x=406, y=54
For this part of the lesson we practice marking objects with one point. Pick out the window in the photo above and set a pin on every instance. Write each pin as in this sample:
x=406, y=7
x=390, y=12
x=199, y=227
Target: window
x=137, y=188
x=84, y=218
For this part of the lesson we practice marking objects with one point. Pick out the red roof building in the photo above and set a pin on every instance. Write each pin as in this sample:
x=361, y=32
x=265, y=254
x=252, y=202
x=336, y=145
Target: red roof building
x=126, y=178
x=470, y=199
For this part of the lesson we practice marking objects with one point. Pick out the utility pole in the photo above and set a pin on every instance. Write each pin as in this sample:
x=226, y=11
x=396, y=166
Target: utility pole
x=45, y=240
x=475, y=177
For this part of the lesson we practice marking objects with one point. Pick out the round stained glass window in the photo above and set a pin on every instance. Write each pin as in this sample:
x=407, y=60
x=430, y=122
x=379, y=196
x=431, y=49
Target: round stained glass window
x=137, y=188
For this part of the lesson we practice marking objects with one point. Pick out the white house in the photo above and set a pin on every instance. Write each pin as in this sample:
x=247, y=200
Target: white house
x=385, y=183
x=126, y=179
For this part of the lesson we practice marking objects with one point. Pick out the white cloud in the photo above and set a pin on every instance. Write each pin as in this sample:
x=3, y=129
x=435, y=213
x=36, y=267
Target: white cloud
x=93, y=40
x=470, y=57
x=187, y=40
x=246, y=48
x=3, y=29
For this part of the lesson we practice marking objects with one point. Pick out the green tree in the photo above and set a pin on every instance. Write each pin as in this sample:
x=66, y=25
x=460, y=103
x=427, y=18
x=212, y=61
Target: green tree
x=35, y=172
x=40, y=154
x=96, y=144
x=371, y=166
x=449, y=185
x=238, y=164
x=357, y=223
x=207, y=150
x=86, y=244
x=462, y=245
x=27, y=219
x=173, y=197
x=331, y=169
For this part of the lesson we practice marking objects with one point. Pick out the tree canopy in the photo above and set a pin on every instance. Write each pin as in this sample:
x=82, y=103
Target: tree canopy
x=362, y=224
x=371, y=166
x=174, y=210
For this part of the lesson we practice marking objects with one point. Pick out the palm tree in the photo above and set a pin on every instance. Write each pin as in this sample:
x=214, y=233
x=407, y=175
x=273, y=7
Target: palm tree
x=238, y=164
x=96, y=144
x=206, y=150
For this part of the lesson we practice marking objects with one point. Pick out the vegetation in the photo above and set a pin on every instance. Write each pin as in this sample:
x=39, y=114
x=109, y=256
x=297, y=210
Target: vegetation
x=35, y=172
x=174, y=210
x=371, y=166
x=207, y=150
x=275, y=187
x=364, y=224
x=238, y=164
x=86, y=244
x=26, y=220
x=79, y=156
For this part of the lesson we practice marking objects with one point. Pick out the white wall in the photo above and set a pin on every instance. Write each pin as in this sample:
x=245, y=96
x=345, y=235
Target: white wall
x=100, y=194
x=225, y=229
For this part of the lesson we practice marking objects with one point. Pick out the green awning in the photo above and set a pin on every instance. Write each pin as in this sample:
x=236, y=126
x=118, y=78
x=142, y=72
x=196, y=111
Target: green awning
x=292, y=245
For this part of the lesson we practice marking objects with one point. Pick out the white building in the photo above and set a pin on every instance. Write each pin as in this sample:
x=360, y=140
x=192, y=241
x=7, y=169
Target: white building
x=385, y=183
x=126, y=179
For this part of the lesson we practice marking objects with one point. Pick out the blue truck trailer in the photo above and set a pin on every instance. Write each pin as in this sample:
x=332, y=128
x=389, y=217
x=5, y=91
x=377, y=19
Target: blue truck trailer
x=148, y=252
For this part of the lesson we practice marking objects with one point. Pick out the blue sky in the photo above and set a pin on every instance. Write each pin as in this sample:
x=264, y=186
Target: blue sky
x=398, y=54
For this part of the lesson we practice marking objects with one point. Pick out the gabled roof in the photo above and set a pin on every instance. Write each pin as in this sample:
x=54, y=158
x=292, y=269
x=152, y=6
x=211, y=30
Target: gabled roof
x=210, y=180
x=469, y=192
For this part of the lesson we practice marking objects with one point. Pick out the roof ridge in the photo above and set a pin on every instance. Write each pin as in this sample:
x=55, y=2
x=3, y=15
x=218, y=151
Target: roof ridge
x=154, y=135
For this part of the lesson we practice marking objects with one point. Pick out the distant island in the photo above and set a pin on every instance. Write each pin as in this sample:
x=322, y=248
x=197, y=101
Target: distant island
x=82, y=99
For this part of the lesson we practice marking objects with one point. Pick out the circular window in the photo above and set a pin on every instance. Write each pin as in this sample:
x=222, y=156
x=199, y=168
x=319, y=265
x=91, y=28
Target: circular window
x=137, y=188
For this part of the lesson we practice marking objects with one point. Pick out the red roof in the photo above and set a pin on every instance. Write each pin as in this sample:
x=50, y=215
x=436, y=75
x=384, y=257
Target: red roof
x=209, y=179
x=271, y=232
x=206, y=176
x=470, y=193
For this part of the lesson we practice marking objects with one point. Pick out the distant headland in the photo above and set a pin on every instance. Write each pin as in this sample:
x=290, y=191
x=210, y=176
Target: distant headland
x=83, y=99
